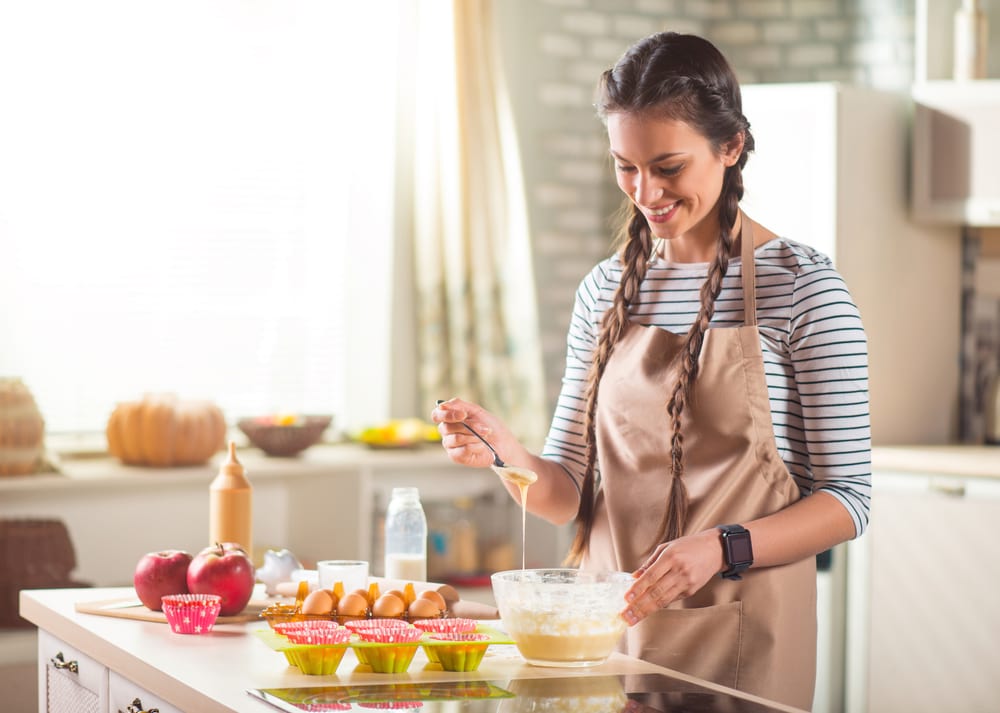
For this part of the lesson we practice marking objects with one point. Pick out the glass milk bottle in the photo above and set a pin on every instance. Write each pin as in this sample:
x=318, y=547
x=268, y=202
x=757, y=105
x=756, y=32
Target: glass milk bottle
x=405, y=537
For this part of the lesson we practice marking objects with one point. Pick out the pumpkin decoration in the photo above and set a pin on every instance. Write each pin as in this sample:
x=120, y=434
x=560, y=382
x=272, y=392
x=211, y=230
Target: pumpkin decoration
x=161, y=430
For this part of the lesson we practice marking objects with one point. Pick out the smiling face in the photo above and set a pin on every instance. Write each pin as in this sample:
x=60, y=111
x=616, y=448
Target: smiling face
x=674, y=175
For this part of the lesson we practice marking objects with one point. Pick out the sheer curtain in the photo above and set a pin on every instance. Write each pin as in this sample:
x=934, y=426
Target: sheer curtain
x=477, y=315
x=196, y=197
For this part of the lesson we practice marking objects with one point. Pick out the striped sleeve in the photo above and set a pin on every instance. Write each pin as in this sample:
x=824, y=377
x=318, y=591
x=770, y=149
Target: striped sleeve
x=565, y=443
x=829, y=359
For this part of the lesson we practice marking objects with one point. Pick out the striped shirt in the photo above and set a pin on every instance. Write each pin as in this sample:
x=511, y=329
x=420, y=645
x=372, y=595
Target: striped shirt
x=815, y=360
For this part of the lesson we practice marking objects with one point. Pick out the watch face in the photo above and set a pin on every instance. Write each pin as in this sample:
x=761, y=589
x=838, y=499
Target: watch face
x=739, y=548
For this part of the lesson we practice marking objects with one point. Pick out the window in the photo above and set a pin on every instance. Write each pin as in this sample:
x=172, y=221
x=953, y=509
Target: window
x=197, y=197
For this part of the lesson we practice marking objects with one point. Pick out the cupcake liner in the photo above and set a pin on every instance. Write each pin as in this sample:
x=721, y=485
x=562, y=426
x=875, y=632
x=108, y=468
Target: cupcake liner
x=191, y=613
x=391, y=635
x=321, y=637
x=464, y=654
x=437, y=626
x=305, y=627
x=368, y=624
x=317, y=660
x=390, y=659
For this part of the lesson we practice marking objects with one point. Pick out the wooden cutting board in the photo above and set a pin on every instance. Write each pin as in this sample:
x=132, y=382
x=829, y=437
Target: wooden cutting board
x=132, y=608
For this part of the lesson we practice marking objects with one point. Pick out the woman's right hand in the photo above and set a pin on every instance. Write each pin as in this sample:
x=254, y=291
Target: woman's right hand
x=463, y=447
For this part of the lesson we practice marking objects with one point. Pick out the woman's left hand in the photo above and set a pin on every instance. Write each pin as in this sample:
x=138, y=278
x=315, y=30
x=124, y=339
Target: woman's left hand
x=675, y=570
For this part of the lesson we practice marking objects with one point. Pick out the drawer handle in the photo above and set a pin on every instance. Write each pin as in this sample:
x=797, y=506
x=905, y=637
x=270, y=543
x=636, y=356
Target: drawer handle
x=136, y=707
x=59, y=662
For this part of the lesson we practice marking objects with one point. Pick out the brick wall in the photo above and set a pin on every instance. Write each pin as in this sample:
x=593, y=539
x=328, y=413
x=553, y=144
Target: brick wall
x=554, y=51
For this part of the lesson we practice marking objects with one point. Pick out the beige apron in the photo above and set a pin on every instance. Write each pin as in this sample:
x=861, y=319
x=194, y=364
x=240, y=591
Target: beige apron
x=757, y=634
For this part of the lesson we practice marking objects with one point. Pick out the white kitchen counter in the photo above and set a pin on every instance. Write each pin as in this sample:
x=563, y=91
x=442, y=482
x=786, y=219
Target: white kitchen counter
x=947, y=460
x=212, y=672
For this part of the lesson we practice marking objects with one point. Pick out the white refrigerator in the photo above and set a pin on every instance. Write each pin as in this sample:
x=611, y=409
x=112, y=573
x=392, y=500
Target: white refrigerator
x=831, y=169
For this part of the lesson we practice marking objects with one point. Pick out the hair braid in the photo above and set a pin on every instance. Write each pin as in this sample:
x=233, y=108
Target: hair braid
x=675, y=516
x=634, y=256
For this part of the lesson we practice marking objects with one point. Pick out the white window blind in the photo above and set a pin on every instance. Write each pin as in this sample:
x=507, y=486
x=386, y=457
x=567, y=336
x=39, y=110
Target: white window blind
x=195, y=197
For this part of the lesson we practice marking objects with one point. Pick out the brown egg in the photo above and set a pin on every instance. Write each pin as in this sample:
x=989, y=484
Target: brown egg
x=363, y=593
x=388, y=606
x=398, y=593
x=352, y=604
x=318, y=602
x=434, y=597
x=423, y=609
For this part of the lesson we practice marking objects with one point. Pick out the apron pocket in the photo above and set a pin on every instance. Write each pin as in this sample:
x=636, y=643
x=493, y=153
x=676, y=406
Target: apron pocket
x=703, y=642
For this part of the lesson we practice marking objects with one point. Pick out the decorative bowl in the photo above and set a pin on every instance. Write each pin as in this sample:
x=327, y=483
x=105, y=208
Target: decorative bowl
x=284, y=436
x=562, y=617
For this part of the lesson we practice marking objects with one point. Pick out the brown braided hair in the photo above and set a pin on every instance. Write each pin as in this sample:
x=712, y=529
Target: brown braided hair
x=683, y=78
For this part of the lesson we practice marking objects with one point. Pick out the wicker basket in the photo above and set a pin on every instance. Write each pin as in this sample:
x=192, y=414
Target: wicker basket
x=285, y=440
x=34, y=554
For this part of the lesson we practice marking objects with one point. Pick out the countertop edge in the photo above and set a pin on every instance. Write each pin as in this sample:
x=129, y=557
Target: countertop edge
x=957, y=460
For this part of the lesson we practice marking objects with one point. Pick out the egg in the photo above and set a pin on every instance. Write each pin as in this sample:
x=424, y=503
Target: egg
x=364, y=594
x=434, y=597
x=423, y=609
x=398, y=593
x=318, y=602
x=388, y=606
x=352, y=604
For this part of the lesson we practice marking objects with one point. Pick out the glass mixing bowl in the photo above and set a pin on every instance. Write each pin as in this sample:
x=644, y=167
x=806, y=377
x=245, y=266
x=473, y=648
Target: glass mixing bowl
x=562, y=617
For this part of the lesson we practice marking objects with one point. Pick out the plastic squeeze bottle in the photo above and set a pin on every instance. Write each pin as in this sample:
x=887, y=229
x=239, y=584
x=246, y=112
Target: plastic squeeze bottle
x=231, y=505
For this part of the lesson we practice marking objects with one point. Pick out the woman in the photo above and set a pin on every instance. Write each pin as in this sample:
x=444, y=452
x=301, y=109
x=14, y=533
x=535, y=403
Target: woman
x=712, y=433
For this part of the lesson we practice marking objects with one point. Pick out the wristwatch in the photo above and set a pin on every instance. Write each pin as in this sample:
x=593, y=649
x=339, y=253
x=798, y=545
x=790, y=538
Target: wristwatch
x=736, y=549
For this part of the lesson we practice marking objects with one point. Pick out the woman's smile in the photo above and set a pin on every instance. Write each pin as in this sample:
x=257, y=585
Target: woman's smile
x=660, y=215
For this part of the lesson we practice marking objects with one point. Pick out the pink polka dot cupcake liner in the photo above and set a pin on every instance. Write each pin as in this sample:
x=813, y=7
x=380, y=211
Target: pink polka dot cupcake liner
x=320, y=637
x=311, y=624
x=446, y=626
x=391, y=635
x=369, y=624
x=191, y=613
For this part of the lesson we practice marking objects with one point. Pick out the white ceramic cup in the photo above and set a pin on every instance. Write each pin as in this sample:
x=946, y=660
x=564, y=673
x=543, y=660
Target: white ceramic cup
x=353, y=573
x=305, y=575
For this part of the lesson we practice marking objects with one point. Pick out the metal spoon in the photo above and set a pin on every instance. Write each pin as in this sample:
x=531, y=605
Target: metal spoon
x=510, y=473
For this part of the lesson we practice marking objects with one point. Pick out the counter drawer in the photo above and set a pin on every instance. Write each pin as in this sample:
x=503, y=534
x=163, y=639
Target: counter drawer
x=69, y=681
x=127, y=697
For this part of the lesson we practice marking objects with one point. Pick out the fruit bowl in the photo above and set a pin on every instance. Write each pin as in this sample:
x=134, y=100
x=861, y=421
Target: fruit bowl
x=284, y=436
x=562, y=617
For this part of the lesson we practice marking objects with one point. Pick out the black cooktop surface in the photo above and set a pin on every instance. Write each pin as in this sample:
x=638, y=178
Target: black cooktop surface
x=641, y=693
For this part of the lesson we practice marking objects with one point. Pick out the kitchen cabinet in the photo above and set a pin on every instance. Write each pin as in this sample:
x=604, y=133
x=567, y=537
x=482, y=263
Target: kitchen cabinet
x=126, y=696
x=69, y=681
x=923, y=619
x=955, y=145
x=830, y=170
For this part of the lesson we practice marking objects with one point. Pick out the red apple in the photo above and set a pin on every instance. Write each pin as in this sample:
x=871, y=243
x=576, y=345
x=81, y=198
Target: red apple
x=160, y=573
x=224, y=569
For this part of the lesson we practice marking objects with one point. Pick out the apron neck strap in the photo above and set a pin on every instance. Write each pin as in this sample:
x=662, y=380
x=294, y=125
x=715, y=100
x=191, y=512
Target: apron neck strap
x=747, y=270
